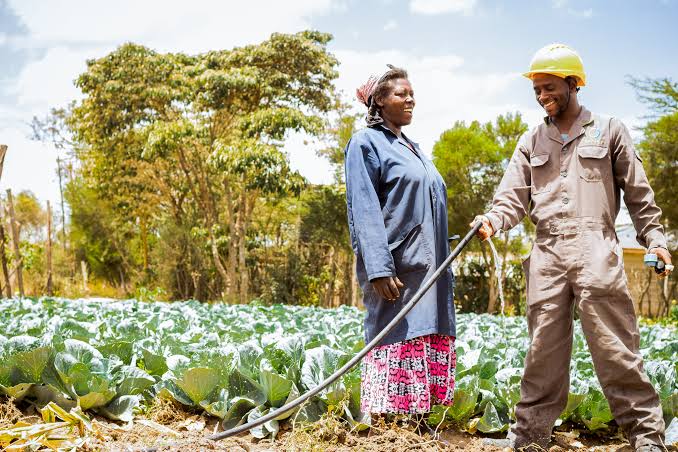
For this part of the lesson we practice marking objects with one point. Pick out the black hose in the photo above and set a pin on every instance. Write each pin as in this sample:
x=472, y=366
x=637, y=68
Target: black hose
x=356, y=359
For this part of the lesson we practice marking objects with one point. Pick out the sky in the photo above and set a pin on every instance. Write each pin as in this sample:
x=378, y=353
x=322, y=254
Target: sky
x=464, y=57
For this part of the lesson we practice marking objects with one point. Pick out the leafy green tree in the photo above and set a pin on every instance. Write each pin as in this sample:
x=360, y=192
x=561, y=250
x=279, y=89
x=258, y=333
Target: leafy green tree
x=659, y=146
x=659, y=150
x=31, y=218
x=472, y=160
x=190, y=143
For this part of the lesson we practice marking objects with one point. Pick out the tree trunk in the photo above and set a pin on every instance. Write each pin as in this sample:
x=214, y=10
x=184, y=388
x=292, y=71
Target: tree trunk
x=3, y=257
x=230, y=281
x=492, y=280
x=355, y=286
x=49, y=249
x=143, y=230
x=83, y=269
x=15, y=243
x=3, y=152
x=646, y=293
x=242, y=248
x=329, y=293
x=63, y=210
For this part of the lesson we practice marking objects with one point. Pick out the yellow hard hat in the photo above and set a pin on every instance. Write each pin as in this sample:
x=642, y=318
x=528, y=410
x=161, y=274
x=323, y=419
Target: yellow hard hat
x=560, y=60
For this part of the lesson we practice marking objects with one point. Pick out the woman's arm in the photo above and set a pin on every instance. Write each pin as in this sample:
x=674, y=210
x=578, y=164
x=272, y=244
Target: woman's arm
x=366, y=221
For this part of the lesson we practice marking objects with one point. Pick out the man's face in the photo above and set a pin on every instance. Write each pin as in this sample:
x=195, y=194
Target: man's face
x=552, y=93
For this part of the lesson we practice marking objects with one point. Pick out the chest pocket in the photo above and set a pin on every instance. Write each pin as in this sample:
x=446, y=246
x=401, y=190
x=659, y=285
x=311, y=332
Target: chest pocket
x=593, y=164
x=540, y=173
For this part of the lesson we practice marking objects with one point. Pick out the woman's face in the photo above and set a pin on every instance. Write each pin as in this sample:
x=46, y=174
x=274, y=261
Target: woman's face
x=397, y=105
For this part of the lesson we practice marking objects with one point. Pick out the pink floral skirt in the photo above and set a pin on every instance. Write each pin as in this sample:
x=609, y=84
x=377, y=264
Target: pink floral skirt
x=409, y=376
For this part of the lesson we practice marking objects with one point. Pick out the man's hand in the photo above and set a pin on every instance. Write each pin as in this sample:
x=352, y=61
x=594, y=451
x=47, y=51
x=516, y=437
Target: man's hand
x=387, y=287
x=666, y=257
x=487, y=230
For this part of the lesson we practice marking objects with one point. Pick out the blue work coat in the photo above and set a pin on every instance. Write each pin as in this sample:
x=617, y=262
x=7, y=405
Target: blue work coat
x=397, y=216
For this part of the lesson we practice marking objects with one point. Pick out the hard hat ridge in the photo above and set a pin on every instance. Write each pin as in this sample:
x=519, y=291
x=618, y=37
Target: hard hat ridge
x=560, y=60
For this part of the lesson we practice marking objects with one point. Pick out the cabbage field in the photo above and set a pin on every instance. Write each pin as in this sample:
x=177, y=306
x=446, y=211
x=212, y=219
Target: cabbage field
x=237, y=362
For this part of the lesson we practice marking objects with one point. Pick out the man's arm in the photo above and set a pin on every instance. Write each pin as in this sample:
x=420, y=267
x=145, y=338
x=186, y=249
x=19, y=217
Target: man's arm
x=511, y=200
x=638, y=195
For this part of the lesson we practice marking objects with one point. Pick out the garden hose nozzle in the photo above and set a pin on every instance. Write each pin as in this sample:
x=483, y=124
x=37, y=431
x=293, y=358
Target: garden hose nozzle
x=652, y=260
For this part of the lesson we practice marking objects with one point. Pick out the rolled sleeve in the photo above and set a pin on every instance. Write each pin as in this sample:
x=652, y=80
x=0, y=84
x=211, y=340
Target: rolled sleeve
x=638, y=195
x=366, y=221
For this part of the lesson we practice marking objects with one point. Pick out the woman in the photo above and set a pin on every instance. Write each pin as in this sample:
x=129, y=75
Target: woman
x=397, y=213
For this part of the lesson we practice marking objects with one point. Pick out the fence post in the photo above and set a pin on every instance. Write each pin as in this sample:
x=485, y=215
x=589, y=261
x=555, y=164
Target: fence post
x=15, y=243
x=49, y=249
x=83, y=269
x=3, y=240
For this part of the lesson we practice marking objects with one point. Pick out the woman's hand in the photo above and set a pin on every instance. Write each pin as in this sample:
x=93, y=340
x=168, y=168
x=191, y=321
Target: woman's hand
x=388, y=287
x=486, y=231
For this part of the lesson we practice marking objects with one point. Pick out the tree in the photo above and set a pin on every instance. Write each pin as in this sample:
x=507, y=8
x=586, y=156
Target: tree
x=190, y=143
x=659, y=150
x=472, y=160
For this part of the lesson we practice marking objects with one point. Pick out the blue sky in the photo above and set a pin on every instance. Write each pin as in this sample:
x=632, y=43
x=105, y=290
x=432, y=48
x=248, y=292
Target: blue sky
x=464, y=57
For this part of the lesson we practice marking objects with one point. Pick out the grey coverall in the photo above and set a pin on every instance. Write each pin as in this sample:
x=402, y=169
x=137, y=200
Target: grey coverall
x=572, y=190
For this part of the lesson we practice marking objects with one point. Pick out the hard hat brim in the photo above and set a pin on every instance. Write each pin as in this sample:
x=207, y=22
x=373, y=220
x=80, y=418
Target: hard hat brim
x=562, y=74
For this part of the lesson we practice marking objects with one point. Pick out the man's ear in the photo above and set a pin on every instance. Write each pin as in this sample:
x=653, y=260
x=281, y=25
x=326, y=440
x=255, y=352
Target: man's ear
x=572, y=83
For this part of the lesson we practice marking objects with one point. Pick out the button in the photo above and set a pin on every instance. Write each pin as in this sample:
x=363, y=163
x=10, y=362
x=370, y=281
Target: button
x=563, y=174
x=565, y=149
x=565, y=200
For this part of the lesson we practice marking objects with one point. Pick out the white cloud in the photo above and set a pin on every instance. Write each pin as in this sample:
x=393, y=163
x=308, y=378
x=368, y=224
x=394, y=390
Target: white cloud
x=168, y=24
x=583, y=13
x=73, y=31
x=29, y=165
x=442, y=6
x=48, y=82
x=390, y=25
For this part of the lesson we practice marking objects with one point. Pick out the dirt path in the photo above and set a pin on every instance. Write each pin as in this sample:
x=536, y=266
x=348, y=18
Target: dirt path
x=171, y=428
x=190, y=435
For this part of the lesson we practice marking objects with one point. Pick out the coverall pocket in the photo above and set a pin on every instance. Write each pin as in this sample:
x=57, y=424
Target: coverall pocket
x=592, y=162
x=413, y=253
x=540, y=170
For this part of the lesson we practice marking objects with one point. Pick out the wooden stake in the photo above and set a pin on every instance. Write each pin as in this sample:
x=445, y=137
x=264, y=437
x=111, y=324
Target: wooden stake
x=49, y=249
x=3, y=151
x=3, y=258
x=19, y=262
x=83, y=269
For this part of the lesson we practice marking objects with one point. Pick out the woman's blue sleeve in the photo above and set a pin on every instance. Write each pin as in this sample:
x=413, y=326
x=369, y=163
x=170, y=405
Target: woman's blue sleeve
x=366, y=222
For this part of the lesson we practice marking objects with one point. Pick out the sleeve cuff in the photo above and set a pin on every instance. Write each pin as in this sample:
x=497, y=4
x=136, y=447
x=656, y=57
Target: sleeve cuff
x=656, y=241
x=374, y=276
x=495, y=221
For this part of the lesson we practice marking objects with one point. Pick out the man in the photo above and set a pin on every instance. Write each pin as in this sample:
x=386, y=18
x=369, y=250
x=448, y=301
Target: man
x=567, y=174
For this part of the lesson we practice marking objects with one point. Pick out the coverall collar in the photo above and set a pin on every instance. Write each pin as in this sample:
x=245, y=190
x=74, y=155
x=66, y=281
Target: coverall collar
x=394, y=137
x=585, y=118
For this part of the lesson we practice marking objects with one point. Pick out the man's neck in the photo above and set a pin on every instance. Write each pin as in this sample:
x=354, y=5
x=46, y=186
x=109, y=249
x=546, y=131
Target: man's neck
x=565, y=120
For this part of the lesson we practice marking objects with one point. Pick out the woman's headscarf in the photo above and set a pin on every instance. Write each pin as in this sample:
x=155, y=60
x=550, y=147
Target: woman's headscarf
x=365, y=93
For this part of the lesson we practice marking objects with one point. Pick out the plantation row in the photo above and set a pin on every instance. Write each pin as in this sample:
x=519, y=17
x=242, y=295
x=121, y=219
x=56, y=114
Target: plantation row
x=239, y=361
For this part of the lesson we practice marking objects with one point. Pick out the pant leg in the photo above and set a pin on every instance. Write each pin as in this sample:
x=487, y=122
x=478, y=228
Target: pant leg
x=546, y=378
x=609, y=323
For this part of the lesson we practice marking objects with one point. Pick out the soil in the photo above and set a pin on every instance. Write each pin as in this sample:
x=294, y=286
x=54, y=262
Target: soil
x=168, y=427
